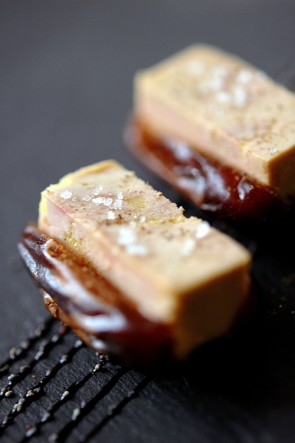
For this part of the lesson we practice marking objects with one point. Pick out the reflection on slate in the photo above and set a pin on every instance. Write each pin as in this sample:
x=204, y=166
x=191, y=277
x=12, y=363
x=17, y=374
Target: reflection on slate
x=53, y=387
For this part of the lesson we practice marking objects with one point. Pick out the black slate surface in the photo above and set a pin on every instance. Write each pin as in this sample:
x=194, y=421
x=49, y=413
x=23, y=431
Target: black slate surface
x=65, y=91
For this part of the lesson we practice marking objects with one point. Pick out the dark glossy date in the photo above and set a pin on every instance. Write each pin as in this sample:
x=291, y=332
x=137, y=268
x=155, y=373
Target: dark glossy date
x=209, y=184
x=81, y=298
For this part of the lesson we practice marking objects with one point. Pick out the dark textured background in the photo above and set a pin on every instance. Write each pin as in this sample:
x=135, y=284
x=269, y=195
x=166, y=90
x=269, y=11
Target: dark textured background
x=66, y=72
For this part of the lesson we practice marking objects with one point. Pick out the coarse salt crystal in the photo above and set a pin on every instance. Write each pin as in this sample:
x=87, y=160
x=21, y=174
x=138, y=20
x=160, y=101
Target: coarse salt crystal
x=102, y=201
x=202, y=230
x=126, y=236
x=111, y=215
x=239, y=97
x=98, y=200
x=128, y=239
x=216, y=84
x=97, y=190
x=244, y=76
x=117, y=204
x=223, y=97
x=108, y=201
x=66, y=194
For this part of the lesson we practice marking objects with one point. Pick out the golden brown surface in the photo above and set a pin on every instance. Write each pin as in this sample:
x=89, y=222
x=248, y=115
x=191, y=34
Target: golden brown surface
x=224, y=107
x=166, y=264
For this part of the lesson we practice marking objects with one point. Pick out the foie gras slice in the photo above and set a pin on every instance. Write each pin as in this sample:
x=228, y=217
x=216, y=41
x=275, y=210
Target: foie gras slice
x=175, y=270
x=224, y=108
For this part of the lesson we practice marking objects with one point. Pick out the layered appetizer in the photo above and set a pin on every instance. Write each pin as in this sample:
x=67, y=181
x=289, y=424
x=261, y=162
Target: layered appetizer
x=219, y=130
x=121, y=265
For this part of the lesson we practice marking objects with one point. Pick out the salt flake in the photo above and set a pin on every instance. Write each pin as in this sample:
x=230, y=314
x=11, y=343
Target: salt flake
x=66, y=194
x=128, y=239
x=117, y=204
x=102, y=201
x=202, y=230
x=244, y=76
x=111, y=215
x=126, y=236
x=239, y=96
x=223, y=97
x=97, y=190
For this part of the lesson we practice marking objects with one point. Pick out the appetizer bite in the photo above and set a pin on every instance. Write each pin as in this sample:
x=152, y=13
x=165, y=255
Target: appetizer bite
x=122, y=266
x=219, y=130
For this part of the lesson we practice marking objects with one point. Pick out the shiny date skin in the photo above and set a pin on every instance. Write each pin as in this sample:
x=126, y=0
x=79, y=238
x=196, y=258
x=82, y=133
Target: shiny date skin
x=209, y=184
x=98, y=312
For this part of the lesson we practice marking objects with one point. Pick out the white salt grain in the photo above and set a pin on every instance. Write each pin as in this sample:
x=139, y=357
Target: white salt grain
x=239, y=97
x=66, y=194
x=97, y=190
x=86, y=198
x=128, y=239
x=126, y=236
x=102, y=201
x=111, y=215
x=202, y=230
x=244, y=76
x=117, y=204
x=223, y=97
